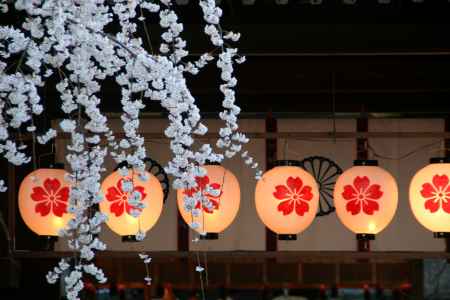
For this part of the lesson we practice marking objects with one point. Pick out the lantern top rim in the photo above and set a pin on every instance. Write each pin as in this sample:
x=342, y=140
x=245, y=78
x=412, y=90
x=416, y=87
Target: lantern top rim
x=211, y=163
x=287, y=162
x=440, y=160
x=56, y=165
x=366, y=162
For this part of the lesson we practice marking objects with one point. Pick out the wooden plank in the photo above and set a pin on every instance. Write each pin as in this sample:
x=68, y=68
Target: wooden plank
x=255, y=256
x=297, y=135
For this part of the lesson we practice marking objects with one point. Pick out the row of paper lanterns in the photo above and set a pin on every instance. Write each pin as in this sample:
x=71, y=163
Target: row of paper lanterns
x=286, y=198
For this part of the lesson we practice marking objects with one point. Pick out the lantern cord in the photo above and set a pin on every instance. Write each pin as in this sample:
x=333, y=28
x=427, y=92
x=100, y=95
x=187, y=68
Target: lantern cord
x=202, y=287
x=197, y=254
x=205, y=258
x=52, y=152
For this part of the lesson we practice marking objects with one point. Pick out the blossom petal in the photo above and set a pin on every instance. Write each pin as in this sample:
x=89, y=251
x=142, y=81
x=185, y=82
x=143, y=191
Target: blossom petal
x=295, y=184
x=39, y=194
x=52, y=185
x=374, y=192
x=130, y=208
x=428, y=190
x=202, y=182
x=349, y=193
x=43, y=208
x=306, y=193
x=63, y=194
x=370, y=206
x=446, y=205
x=59, y=208
x=440, y=182
x=214, y=186
x=113, y=194
x=215, y=205
x=432, y=205
x=361, y=183
x=354, y=207
x=141, y=190
x=282, y=192
x=117, y=208
x=301, y=207
x=190, y=192
x=119, y=186
x=286, y=207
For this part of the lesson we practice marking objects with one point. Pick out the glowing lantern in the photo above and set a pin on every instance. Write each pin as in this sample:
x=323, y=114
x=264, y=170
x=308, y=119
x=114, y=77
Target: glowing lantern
x=116, y=206
x=429, y=196
x=366, y=198
x=224, y=206
x=287, y=198
x=43, y=201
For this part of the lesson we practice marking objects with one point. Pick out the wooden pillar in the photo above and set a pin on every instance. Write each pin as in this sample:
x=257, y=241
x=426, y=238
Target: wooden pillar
x=362, y=153
x=447, y=154
x=12, y=196
x=182, y=234
x=271, y=157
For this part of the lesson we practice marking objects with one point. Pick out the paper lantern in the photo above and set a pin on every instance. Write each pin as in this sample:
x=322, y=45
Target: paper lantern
x=224, y=208
x=115, y=203
x=366, y=198
x=429, y=196
x=286, y=199
x=43, y=201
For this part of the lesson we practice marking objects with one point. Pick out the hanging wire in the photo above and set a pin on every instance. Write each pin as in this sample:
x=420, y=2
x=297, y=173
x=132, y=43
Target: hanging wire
x=368, y=147
x=404, y=156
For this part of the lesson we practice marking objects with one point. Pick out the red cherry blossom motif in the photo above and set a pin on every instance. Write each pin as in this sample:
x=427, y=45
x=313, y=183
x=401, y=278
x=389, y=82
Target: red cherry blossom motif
x=202, y=183
x=437, y=194
x=294, y=196
x=119, y=198
x=51, y=197
x=362, y=195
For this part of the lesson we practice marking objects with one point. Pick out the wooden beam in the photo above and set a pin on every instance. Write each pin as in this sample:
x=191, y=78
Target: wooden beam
x=254, y=256
x=299, y=135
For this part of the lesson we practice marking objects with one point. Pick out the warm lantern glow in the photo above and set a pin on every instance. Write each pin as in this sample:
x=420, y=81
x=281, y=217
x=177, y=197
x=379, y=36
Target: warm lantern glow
x=287, y=198
x=429, y=197
x=225, y=206
x=115, y=204
x=366, y=198
x=43, y=201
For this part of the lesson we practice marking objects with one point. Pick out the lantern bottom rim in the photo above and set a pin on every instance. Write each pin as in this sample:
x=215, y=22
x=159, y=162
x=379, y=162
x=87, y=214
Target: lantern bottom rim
x=287, y=237
x=365, y=162
x=50, y=238
x=209, y=236
x=48, y=242
x=129, y=239
x=287, y=163
x=365, y=237
x=440, y=160
x=441, y=235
